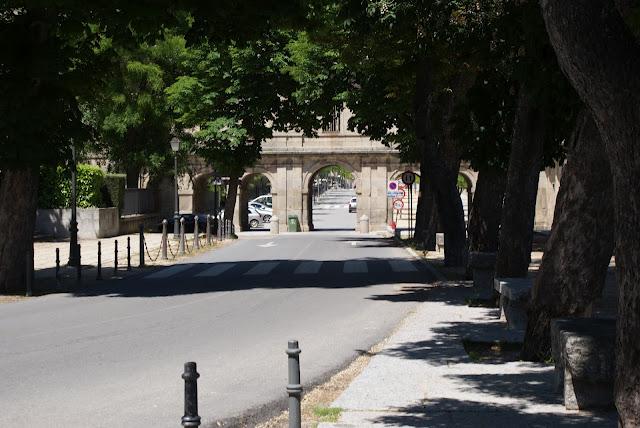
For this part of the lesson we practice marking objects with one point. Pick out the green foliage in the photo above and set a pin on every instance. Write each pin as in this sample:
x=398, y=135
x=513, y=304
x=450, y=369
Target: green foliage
x=335, y=170
x=113, y=191
x=90, y=180
x=327, y=414
x=55, y=187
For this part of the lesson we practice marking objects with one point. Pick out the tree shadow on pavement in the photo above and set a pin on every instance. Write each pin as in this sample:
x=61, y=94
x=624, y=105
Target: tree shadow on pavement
x=446, y=413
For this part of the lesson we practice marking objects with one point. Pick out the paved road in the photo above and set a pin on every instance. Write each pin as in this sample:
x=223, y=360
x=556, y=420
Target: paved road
x=331, y=210
x=113, y=356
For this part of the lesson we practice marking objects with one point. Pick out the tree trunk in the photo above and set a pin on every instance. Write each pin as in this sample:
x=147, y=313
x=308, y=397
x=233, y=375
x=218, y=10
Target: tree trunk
x=19, y=196
x=518, y=210
x=577, y=254
x=441, y=168
x=486, y=209
x=230, y=204
x=426, y=216
x=601, y=58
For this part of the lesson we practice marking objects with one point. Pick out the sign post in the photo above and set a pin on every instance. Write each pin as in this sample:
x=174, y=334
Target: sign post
x=408, y=178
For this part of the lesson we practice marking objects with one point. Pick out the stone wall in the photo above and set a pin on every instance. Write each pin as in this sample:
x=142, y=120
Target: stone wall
x=92, y=222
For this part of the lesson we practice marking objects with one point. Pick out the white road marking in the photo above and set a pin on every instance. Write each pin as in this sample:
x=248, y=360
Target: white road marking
x=308, y=267
x=402, y=266
x=262, y=268
x=353, y=243
x=170, y=271
x=216, y=270
x=268, y=244
x=355, y=266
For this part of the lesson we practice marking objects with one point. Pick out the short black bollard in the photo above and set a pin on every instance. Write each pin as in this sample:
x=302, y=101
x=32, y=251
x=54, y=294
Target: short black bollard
x=99, y=274
x=141, y=232
x=181, y=245
x=128, y=253
x=58, y=268
x=196, y=234
x=115, y=257
x=294, y=388
x=190, y=376
x=165, y=239
x=79, y=267
x=208, y=229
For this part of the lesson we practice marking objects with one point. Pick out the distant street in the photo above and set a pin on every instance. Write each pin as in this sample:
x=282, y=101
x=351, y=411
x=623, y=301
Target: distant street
x=331, y=210
x=113, y=356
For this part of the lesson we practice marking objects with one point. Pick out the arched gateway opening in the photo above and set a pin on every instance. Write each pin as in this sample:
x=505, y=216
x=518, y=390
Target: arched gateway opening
x=331, y=198
x=255, y=202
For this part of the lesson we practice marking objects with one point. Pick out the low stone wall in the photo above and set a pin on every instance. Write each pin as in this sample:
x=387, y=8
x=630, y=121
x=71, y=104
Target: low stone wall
x=92, y=222
x=131, y=223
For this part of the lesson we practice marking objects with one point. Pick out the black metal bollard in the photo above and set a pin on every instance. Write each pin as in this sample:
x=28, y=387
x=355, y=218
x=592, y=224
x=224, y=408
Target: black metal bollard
x=141, y=232
x=294, y=388
x=58, y=268
x=190, y=376
x=208, y=229
x=99, y=274
x=181, y=245
x=79, y=267
x=115, y=257
x=165, y=240
x=196, y=234
x=128, y=253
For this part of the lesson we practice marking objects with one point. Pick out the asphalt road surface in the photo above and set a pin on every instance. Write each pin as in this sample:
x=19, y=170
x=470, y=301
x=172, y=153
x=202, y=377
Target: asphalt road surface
x=331, y=210
x=112, y=356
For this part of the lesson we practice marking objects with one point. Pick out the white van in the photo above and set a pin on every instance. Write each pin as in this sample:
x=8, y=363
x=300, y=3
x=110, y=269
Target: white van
x=266, y=200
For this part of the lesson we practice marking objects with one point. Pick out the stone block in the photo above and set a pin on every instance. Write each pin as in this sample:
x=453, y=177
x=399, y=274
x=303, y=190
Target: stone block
x=515, y=294
x=483, y=267
x=583, y=351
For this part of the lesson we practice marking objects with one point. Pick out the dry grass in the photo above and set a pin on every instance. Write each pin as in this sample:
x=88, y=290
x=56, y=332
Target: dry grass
x=4, y=298
x=316, y=404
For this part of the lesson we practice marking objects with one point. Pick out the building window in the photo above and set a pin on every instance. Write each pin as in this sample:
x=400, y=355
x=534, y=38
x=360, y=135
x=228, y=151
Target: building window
x=334, y=121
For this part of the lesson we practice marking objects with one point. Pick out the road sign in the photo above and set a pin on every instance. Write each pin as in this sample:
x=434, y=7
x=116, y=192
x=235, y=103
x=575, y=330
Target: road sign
x=392, y=186
x=398, y=204
x=395, y=194
x=401, y=194
x=408, y=178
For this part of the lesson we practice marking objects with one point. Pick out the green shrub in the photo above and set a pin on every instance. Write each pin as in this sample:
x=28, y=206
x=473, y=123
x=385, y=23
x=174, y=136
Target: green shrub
x=90, y=180
x=55, y=187
x=113, y=190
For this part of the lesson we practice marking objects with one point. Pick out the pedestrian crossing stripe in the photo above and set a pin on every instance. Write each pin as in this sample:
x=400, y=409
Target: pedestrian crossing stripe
x=305, y=267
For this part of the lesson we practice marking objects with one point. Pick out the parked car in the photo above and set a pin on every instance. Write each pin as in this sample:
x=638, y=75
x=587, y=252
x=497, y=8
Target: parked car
x=353, y=205
x=255, y=219
x=266, y=200
x=189, y=223
x=264, y=211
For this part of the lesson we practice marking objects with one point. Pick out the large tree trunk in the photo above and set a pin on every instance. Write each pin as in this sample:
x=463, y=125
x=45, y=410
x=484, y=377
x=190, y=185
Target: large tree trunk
x=232, y=193
x=601, y=58
x=484, y=222
x=518, y=210
x=19, y=196
x=577, y=254
x=441, y=167
x=426, y=216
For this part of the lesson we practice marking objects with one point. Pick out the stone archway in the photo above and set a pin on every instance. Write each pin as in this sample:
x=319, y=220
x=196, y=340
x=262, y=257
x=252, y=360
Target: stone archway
x=311, y=172
x=244, y=195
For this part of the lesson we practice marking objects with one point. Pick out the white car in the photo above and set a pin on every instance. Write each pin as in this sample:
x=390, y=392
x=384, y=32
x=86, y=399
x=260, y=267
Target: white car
x=255, y=219
x=353, y=205
x=264, y=211
x=266, y=200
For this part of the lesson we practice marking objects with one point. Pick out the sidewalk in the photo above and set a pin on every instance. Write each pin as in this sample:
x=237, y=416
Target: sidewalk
x=424, y=378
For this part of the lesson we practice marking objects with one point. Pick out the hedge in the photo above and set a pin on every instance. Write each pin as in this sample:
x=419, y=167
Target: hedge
x=94, y=187
x=114, y=185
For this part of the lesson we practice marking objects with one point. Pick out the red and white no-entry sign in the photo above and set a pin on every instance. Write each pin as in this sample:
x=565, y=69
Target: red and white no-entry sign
x=398, y=204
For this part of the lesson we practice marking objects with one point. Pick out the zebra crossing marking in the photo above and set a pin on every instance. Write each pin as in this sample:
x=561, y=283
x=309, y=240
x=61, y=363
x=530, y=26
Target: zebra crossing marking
x=308, y=267
x=262, y=268
x=170, y=271
x=355, y=266
x=216, y=269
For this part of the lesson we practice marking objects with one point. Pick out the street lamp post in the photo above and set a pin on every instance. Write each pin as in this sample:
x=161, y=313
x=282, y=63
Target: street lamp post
x=175, y=146
x=73, y=224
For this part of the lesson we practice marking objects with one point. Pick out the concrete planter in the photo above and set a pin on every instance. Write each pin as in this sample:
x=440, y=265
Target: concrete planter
x=92, y=222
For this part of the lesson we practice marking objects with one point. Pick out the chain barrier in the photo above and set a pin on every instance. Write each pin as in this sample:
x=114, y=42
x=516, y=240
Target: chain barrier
x=146, y=247
x=173, y=255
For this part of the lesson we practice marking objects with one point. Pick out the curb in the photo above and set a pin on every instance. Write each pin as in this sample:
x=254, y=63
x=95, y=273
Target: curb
x=435, y=272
